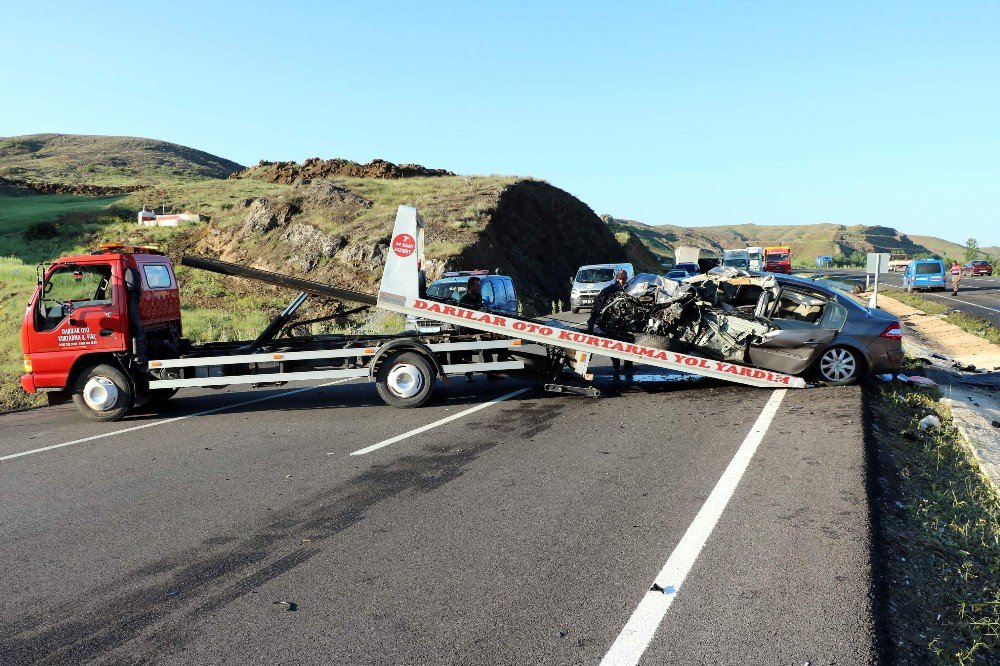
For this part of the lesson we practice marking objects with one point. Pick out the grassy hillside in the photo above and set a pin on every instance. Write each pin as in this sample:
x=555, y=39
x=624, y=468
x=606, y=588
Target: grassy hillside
x=948, y=249
x=807, y=240
x=105, y=160
x=17, y=213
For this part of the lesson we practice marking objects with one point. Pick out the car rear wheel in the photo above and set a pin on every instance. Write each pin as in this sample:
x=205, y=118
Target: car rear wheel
x=405, y=379
x=839, y=366
x=103, y=393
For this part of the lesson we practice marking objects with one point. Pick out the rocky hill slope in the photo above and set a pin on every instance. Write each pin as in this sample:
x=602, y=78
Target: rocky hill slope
x=337, y=229
x=80, y=159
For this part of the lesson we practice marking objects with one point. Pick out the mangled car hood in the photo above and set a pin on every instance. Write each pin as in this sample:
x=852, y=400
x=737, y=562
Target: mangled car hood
x=721, y=314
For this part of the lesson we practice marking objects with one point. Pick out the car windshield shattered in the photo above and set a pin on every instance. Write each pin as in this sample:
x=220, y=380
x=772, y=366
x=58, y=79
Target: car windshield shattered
x=726, y=314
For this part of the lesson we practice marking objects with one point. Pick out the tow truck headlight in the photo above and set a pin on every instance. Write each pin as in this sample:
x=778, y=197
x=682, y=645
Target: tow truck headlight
x=27, y=362
x=575, y=292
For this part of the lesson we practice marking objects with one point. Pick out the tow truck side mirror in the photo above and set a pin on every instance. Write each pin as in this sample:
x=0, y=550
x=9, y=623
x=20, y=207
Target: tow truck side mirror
x=131, y=279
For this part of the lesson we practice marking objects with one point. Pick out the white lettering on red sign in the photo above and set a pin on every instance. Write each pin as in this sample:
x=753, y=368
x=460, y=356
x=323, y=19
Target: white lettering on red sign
x=76, y=337
x=597, y=343
x=404, y=245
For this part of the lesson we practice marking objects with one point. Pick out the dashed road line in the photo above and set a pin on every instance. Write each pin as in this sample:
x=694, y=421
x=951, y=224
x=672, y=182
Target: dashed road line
x=435, y=424
x=635, y=637
x=154, y=424
x=976, y=305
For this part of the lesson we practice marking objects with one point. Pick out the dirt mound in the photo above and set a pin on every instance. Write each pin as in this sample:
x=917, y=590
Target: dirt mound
x=9, y=188
x=289, y=173
x=62, y=188
x=536, y=233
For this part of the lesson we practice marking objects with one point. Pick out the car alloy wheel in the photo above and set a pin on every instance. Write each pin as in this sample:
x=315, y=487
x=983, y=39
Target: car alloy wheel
x=838, y=366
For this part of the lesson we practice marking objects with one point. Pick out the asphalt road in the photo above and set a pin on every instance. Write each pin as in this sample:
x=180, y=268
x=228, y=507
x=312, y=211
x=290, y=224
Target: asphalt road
x=979, y=296
x=529, y=531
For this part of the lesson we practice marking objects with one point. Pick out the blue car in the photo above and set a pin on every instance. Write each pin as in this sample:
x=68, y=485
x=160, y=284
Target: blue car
x=925, y=274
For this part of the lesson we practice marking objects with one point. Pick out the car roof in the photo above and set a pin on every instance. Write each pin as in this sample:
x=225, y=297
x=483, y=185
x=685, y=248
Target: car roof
x=462, y=279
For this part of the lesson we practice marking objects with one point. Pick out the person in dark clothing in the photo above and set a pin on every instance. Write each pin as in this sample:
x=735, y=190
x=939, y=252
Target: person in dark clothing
x=602, y=300
x=605, y=296
x=473, y=297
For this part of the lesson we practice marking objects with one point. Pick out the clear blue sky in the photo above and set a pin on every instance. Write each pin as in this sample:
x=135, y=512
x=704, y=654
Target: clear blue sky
x=684, y=113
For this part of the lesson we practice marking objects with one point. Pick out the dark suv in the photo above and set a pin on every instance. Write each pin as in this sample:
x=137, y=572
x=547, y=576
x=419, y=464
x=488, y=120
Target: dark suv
x=978, y=267
x=497, y=291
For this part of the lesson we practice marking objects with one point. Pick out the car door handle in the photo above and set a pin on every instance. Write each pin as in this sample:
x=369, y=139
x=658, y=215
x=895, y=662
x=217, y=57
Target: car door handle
x=106, y=332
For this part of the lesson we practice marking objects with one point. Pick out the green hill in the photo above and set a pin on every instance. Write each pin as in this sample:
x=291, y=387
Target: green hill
x=78, y=159
x=807, y=240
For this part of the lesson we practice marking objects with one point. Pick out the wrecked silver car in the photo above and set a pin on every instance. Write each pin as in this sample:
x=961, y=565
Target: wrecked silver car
x=754, y=319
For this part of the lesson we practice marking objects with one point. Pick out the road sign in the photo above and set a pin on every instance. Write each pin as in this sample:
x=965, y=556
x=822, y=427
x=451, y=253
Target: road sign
x=878, y=262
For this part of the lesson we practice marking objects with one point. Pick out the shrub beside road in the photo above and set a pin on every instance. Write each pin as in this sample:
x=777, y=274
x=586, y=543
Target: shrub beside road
x=940, y=534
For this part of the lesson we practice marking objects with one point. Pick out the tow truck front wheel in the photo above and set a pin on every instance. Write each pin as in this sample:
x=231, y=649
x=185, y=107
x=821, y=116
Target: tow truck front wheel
x=103, y=393
x=405, y=379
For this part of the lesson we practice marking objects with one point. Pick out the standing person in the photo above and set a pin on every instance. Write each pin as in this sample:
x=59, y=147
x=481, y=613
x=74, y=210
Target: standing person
x=956, y=277
x=606, y=295
x=602, y=299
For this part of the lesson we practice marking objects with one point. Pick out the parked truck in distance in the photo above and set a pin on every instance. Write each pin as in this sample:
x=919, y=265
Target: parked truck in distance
x=778, y=259
x=755, y=256
x=736, y=259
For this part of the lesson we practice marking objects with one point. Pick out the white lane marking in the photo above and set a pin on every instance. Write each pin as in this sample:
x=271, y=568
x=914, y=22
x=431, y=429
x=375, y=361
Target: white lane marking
x=634, y=638
x=435, y=424
x=958, y=300
x=171, y=420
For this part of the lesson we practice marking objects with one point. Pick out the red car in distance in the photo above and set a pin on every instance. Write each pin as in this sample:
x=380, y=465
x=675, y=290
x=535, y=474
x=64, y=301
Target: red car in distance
x=978, y=267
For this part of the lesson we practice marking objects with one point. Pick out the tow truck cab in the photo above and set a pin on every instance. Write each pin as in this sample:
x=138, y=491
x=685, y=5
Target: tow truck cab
x=108, y=307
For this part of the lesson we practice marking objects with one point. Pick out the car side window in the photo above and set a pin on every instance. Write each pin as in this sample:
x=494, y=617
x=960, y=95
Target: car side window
x=800, y=307
x=511, y=296
x=487, y=292
x=834, y=317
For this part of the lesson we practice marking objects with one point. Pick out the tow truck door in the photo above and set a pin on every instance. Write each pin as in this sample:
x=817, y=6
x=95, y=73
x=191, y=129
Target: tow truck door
x=78, y=309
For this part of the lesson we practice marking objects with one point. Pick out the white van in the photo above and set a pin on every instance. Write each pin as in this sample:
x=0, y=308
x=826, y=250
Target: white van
x=591, y=279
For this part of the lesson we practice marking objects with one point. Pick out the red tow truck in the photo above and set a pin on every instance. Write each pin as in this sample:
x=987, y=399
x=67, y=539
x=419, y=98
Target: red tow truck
x=105, y=330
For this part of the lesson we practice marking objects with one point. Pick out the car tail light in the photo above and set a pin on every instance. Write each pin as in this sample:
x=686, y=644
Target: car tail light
x=27, y=362
x=893, y=331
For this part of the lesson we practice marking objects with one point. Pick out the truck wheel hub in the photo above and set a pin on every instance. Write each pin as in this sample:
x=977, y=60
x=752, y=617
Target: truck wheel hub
x=405, y=380
x=100, y=394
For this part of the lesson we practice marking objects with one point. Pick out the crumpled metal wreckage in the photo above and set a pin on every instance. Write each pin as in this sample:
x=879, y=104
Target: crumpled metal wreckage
x=724, y=314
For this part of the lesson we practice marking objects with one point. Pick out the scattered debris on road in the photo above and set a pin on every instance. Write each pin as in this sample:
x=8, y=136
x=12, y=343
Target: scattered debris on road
x=291, y=605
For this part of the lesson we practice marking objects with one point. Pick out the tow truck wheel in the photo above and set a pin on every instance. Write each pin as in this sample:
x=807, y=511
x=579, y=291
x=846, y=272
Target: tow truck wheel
x=103, y=393
x=405, y=379
x=839, y=366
